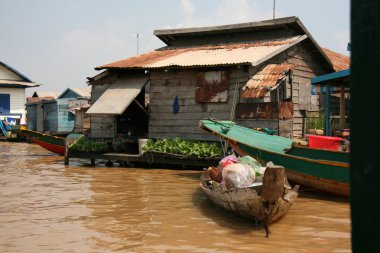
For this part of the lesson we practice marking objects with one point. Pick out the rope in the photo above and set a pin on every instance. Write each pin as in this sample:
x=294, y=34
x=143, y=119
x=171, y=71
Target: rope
x=221, y=143
x=234, y=99
x=232, y=116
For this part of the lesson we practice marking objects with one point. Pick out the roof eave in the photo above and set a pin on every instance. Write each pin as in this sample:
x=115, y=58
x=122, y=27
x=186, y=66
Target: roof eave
x=280, y=50
x=175, y=66
x=167, y=35
x=326, y=58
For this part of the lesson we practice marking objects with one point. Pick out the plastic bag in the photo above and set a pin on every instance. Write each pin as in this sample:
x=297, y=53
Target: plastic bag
x=261, y=171
x=238, y=176
x=255, y=165
x=228, y=160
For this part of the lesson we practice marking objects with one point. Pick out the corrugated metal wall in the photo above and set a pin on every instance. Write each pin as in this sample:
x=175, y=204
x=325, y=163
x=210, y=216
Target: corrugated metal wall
x=65, y=119
x=50, y=117
x=32, y=116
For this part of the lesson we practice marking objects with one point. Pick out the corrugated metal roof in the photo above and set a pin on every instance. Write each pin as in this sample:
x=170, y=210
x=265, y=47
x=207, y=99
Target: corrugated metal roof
x=110, y=101
x=30, y=100
x=339, y=61
x=43, y=94
x=84, y=91
x=227, y=54
x=265, y=80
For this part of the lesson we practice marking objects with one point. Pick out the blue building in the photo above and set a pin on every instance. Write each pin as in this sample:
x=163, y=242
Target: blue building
x=56, y=116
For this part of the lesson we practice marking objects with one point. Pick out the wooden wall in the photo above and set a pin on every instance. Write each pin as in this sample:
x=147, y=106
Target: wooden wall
x=82, y=121
x=306, y=67
x=304, y=104
x=102, y=126
x=166, y=85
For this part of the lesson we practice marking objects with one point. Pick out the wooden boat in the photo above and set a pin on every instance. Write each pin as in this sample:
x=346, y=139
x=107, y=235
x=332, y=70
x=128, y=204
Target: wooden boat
x=52, y=143
x=264, y=203
x=326, y=170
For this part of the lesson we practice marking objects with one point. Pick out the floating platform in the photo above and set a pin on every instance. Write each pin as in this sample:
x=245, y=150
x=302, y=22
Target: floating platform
x=149, y=158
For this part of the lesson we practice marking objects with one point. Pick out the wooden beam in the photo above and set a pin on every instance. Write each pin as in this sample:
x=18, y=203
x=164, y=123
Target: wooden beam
x=342, y=108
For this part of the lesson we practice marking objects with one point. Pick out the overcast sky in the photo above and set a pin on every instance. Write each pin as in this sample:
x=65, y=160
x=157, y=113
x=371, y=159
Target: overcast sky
x=58, y=43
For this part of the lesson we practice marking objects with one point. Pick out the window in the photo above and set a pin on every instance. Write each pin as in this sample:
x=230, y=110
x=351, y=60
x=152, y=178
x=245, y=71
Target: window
x=211, y=86
x=5, y=103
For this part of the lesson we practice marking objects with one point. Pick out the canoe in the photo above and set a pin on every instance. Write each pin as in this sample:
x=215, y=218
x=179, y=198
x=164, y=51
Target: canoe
x=52, y=143
x=263, y=203
x=326, y=170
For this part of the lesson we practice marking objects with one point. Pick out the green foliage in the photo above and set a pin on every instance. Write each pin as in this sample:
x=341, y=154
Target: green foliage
x=84, y=145
x=316, y=123
x=183, y=147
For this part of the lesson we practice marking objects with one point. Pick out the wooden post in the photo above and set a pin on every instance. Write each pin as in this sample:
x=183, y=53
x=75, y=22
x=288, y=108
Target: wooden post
x=342, y=107
x=327, y=110
x=67, y=162
x=273, y=183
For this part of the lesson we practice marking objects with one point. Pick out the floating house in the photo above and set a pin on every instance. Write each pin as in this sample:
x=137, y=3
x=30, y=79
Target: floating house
x=334, y=90
x=12, y=94
x=257, y=74
x=56, y=115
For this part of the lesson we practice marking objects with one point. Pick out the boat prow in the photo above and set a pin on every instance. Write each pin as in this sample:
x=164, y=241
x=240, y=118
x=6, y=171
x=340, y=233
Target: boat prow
x=52, y=143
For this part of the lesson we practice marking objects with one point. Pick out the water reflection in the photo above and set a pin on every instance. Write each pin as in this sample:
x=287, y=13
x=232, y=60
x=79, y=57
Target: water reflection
x=49, y=207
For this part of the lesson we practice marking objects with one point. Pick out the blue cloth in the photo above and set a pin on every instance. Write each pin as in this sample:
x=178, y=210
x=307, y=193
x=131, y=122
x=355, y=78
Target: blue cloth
x=175, y=105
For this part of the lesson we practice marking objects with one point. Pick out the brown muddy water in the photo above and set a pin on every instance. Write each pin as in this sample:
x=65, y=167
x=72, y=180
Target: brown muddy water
x=48, y=207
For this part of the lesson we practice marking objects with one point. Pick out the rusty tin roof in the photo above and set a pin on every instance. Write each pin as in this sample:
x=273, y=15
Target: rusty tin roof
x=339, y=61
x=265, y=80
x=216, y=55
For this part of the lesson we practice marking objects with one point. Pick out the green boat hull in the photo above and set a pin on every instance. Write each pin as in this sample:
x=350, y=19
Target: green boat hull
x=52, y=143
x=321, y=169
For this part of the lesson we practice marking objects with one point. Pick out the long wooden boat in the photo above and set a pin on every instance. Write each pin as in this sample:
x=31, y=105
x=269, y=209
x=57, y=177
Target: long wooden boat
x=52, y=143
x=326, y=170
x=264, y=203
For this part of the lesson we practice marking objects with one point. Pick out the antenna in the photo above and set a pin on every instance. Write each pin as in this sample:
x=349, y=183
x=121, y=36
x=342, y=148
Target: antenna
x=274, y=9
x=137, y=42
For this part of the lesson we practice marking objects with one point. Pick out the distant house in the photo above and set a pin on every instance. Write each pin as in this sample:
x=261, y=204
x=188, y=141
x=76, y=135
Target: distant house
x=257, y=74
x=12, y=94
x=56, y=115
x=42, y=95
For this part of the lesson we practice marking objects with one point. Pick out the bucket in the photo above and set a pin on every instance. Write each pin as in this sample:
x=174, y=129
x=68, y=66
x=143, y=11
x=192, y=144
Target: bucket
x=324, y=142
x=142, y=143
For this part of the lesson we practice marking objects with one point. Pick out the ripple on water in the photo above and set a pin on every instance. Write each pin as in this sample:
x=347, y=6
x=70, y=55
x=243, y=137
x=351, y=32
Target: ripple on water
x=49, y=207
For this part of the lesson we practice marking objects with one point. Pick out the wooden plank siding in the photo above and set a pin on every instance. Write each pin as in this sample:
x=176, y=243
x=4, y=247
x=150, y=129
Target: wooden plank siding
x=306, y=68
x=165, y=86
x=103, y=126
